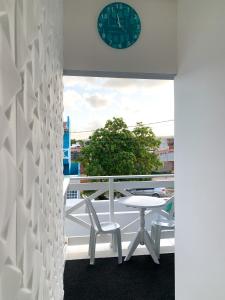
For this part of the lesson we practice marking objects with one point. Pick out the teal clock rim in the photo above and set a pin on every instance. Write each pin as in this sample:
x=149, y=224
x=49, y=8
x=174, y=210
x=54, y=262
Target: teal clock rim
x=98, y=20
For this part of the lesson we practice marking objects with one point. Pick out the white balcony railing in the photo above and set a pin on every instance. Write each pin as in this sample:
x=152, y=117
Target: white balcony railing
x=77, y=223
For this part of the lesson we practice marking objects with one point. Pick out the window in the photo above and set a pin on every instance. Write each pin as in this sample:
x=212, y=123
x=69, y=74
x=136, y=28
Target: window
x=72, y=195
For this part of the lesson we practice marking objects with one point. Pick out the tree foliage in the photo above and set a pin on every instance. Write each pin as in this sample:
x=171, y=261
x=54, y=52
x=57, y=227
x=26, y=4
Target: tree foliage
x=115, y=150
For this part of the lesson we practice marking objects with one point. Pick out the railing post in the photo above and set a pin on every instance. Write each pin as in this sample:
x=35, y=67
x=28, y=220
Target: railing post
x=111, y=209
x=111, y=199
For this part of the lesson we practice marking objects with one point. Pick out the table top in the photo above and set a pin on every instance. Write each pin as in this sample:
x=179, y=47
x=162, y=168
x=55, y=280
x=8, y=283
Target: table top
x=142, y=201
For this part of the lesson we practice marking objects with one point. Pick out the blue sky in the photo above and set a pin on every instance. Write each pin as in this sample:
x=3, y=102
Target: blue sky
x=91, y=101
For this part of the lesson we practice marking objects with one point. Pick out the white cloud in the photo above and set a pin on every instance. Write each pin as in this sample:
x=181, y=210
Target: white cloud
x=73, y=81
x=93, y=125
x=90, y=102
x=71, y=98
x=97, y=101
x=131, y=85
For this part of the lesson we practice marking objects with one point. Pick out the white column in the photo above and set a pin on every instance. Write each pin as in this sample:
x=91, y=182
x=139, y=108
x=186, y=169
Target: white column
x=200, y=151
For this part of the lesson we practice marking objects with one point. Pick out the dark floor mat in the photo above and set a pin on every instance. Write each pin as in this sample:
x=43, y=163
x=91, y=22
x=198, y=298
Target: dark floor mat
x=136, y=279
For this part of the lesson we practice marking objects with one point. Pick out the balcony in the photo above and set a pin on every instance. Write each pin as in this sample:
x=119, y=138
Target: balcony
x=137, y=278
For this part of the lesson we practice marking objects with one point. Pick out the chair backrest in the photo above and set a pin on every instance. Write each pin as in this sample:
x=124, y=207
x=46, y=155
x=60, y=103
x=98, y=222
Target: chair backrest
x=169, y=208
x=93, y=215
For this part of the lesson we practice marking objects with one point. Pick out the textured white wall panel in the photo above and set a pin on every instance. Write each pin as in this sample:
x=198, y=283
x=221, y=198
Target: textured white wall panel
x=31, y=202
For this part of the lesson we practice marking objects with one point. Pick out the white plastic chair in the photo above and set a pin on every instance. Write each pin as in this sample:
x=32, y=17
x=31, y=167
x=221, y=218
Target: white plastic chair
x=102, y=228
x=164, y=219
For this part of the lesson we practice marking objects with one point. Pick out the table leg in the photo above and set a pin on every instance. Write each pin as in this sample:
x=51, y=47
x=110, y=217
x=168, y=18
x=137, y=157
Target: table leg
x=149, y=245
x=142, y=225
x=139, y=238
x=133, y=246
x=142, y=237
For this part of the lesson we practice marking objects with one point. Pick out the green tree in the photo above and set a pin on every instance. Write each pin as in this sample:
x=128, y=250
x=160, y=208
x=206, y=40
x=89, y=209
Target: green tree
x=72, y=141
x=145, y=148
x=115, y=150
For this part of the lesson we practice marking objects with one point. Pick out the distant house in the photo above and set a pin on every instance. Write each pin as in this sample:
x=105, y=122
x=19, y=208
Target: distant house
x=69, y=167
x=166, y=154
x=75, y=154
x=66, y=148
x=75, y=150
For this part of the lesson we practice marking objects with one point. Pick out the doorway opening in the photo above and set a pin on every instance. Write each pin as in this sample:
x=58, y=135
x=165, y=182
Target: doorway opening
x=102, y=118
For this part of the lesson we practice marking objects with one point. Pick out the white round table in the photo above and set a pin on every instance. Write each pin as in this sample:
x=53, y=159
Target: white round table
x=142, y=237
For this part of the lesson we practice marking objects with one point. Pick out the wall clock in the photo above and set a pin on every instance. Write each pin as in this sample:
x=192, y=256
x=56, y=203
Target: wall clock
x=119, y=25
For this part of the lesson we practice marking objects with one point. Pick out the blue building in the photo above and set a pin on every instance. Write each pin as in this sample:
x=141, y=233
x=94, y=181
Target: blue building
x=69, y=167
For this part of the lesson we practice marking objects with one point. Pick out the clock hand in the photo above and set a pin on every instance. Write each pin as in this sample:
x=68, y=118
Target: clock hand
x=118, y=21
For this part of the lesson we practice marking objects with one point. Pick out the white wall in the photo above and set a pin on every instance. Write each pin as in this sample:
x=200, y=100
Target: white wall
x=199, y=151
x=31, y=201
x=154, y=53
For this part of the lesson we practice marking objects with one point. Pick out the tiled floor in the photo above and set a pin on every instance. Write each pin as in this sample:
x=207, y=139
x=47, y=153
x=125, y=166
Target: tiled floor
x=104, y=250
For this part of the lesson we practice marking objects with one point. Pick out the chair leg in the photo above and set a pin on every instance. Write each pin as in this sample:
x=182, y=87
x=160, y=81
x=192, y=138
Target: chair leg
x=92, y=231
x=92, y=249
x=153, y=233
x=119, y=246
x=114, y=242
x=157, y=239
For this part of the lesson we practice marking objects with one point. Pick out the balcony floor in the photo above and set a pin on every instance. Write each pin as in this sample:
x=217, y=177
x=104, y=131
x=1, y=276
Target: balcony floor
x=104, y=250
x=136, y=279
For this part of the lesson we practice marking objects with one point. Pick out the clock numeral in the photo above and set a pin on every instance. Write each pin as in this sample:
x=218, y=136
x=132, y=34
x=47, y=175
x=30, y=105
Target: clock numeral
x=115, y=39
x=114, y=15
x=125, y=13
x=122, y=39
